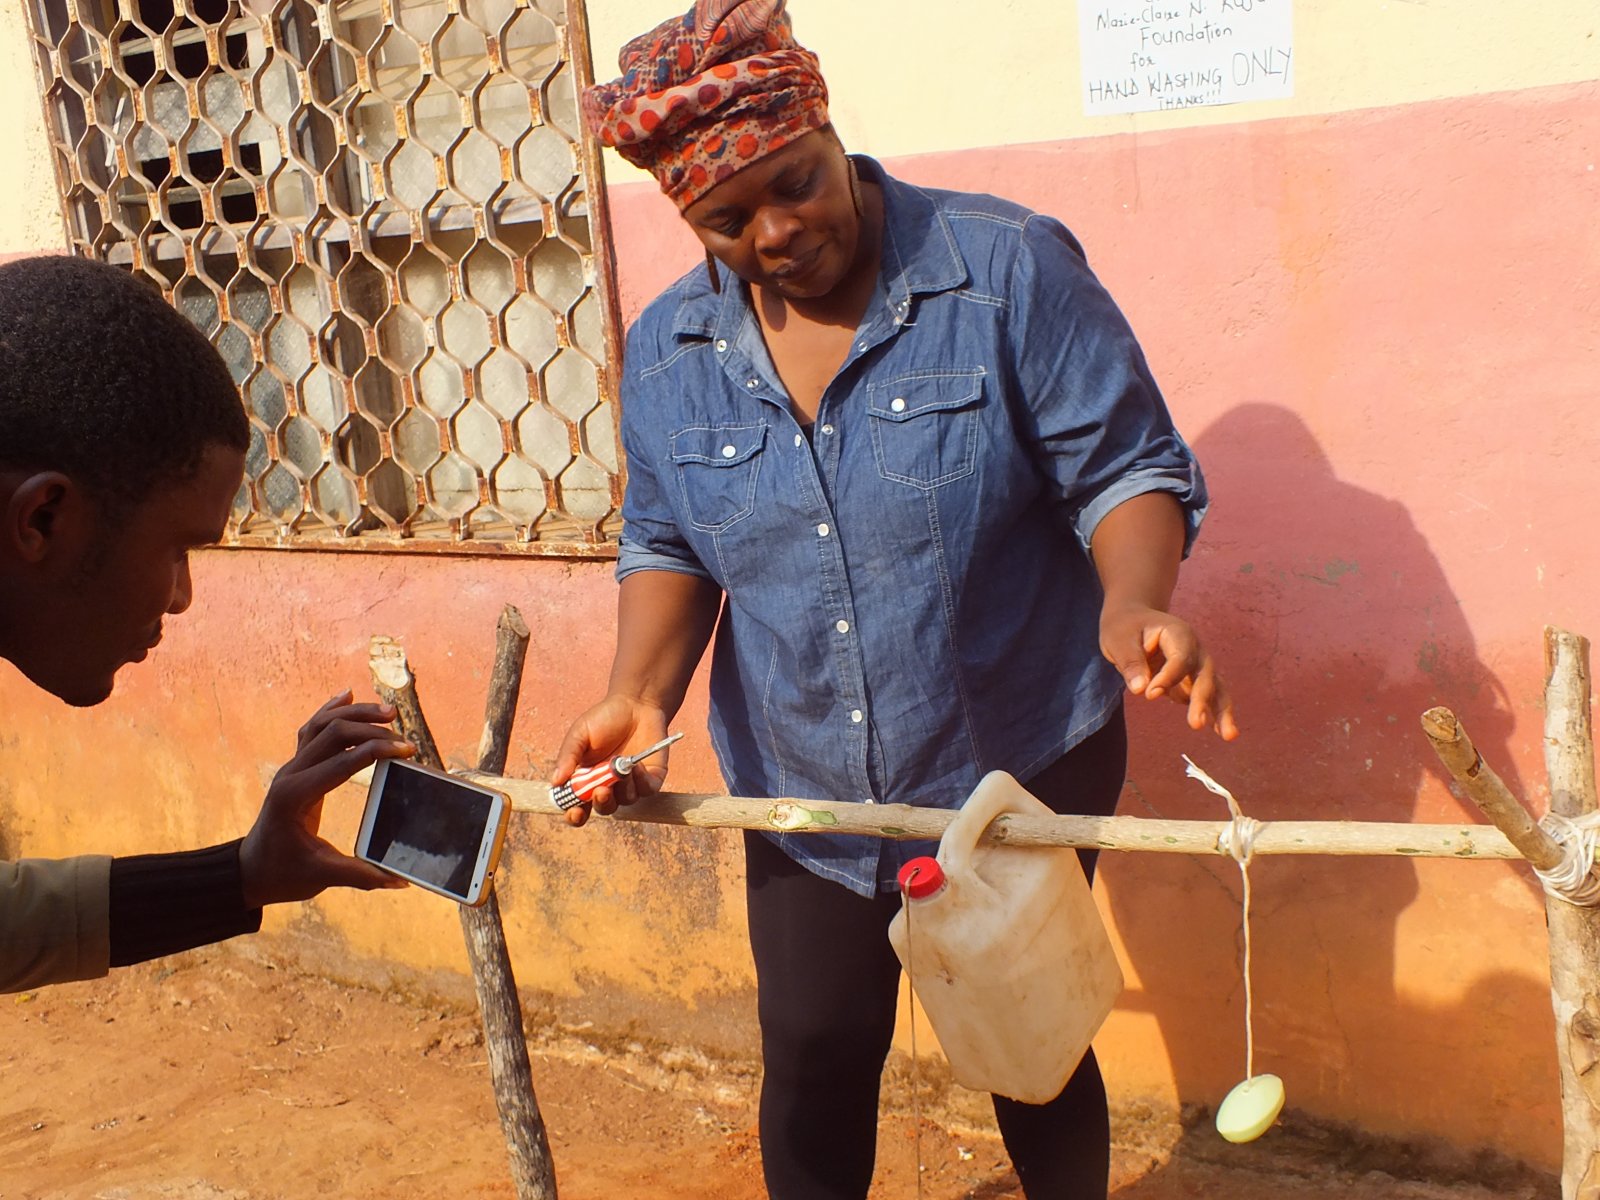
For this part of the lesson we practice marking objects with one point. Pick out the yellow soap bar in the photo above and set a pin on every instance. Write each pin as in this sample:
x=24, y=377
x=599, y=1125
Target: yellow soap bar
x=1250, y=1108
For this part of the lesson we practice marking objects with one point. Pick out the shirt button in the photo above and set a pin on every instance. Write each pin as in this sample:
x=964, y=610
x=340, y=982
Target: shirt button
x=856, y=715
x=861, y=345
x=798, y=438
x=842, y=626
x=822, y=530
x=751, y=383
x=728, y=452
x=722, y=345
x=897, y=404
x=828, y=430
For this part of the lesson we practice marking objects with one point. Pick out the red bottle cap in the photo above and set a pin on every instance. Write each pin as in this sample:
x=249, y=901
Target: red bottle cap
x=921, y=878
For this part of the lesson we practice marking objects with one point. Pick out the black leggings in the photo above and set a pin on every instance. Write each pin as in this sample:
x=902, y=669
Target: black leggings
x=827, y=982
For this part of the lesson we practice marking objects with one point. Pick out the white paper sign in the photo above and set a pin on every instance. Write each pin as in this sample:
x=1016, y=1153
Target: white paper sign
x=1149, y=55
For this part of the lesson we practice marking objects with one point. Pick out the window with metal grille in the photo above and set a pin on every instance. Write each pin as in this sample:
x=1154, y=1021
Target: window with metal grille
x=378, y=211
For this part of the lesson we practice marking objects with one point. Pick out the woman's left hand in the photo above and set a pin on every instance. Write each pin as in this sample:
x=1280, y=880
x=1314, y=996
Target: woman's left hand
x=1158, y=654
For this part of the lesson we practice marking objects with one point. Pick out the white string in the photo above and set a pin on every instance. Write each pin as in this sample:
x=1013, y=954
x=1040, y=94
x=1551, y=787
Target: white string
x=1249, y=991
x=1238, y=838
x=1238, y=841
x=1573, y=879
x=1194, y=772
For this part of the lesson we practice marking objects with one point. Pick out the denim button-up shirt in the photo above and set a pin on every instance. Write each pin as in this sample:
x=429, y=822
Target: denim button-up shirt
x=910, y=597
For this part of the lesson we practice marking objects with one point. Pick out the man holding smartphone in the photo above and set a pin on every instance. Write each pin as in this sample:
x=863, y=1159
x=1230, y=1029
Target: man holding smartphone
x=122, y=444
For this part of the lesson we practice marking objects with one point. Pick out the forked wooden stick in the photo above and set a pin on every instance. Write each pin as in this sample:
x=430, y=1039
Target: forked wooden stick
x=1487, y=790
x=1574, y=931
x=527, y=1143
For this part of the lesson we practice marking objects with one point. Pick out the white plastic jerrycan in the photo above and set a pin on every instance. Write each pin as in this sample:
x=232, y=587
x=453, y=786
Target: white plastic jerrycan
x=1006, y=951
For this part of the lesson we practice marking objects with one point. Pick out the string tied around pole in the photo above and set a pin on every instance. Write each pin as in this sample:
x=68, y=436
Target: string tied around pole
x=1237, y=840
x=1573, y=879
x=1249, y=1109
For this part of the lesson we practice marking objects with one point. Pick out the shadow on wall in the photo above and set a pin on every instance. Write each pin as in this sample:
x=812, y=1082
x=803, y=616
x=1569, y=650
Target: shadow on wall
x=1336, y=629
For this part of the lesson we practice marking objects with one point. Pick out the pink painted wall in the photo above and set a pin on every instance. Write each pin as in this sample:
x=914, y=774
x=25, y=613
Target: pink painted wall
x=1379, y=331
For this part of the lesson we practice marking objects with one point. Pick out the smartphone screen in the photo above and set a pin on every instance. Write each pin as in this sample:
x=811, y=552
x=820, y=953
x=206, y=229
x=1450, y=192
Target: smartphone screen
x=430, y=829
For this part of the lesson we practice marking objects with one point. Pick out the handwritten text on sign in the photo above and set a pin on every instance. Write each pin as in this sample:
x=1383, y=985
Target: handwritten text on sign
x=1148, y=55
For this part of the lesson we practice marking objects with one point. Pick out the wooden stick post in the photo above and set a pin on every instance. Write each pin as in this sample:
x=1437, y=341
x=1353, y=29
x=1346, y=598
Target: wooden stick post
x=528, y=1145
x=1574, y=930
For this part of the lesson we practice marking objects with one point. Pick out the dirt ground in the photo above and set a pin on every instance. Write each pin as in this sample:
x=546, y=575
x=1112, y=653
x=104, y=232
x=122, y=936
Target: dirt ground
x=217, y=1076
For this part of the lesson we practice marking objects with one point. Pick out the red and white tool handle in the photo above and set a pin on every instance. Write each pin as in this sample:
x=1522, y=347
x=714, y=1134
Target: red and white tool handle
x=577, y=789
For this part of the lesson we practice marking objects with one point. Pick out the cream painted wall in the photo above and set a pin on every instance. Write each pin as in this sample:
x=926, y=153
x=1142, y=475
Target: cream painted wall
x=1350, y=54
x=30, y=217
x=960, y=75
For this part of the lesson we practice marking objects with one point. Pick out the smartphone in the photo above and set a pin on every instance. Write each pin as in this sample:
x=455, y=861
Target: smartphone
x=439, y=832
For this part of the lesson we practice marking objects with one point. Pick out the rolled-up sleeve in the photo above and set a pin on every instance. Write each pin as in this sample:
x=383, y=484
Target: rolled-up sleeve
x=1097, y=417
x=55, y=921
x=651, y=538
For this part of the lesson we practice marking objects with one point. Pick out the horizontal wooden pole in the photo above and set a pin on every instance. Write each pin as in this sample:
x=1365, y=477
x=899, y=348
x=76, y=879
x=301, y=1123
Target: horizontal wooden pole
x=902, y=822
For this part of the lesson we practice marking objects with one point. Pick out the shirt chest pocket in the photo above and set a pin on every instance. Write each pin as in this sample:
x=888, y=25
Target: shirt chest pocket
x=925, y=426
x=717, y=468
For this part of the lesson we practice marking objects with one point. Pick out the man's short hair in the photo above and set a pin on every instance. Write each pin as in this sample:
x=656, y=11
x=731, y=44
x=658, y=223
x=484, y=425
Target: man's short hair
x=103, y=380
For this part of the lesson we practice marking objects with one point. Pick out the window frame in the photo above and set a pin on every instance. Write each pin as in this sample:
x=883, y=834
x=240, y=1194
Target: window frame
x=343, y=350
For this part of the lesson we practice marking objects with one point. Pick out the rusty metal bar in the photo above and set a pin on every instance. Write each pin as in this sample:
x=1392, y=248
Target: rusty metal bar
x=387, y=217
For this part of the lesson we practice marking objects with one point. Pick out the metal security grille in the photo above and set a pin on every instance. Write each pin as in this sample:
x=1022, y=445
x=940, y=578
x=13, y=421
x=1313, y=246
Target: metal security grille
x=378, y=212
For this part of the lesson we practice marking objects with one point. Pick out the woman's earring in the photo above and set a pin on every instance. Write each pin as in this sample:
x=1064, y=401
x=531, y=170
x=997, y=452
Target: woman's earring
x=711, y=270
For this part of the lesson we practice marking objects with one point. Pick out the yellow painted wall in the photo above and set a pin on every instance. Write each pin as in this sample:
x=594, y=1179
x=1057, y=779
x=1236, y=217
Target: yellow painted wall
x=1015, y=74
x=30, y=217
x=1011, y=68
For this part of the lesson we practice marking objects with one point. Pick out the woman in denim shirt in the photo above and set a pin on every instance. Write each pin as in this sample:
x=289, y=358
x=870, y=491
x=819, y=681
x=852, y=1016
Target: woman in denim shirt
x=907, y=448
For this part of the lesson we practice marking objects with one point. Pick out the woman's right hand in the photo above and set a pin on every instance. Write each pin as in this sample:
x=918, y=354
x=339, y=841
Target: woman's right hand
x=617, y=725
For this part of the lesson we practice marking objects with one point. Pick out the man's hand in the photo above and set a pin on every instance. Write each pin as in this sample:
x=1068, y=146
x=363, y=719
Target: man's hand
x=1158, y=654
x=617, y=725
x=282, y=857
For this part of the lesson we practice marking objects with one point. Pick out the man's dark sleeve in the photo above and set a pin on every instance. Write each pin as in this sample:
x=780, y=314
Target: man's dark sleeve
x=164, y=903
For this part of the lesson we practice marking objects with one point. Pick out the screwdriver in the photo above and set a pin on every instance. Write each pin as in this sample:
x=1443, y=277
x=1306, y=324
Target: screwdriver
x=576, y=789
